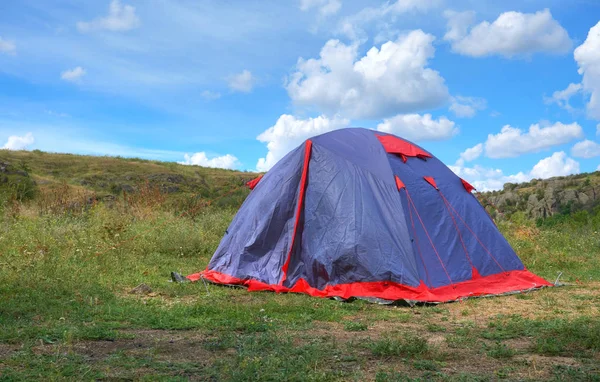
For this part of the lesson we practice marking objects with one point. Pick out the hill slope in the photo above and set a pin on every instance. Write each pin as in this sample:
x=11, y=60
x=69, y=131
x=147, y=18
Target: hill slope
x=548, y=197
x=106, y=177
x=25, y=174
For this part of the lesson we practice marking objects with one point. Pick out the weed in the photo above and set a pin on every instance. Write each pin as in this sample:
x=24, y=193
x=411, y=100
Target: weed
x=355, y=326
x=500, y=350
x=403, y=346
x=435, y=328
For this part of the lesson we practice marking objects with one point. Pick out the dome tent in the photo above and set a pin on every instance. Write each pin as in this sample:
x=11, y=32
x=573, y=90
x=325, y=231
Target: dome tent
x=360, y=213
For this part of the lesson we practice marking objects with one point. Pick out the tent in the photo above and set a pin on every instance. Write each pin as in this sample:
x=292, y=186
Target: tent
x=360, y=213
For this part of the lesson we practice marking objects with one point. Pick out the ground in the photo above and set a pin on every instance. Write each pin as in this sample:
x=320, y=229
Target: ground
x=66, y=311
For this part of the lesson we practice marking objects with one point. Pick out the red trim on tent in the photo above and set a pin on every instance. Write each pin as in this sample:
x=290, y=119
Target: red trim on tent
x=467, y=185
x=307, y=149
x=396, y=145
x=512, y=281
x=431, y=181
x=399, y=183
x=251, y=184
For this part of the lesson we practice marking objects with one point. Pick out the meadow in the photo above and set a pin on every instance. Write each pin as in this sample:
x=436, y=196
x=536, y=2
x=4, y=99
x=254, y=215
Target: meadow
x=68, y=266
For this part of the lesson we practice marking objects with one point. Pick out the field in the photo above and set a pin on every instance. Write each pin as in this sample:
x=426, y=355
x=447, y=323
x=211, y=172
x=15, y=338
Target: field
x=68, y=267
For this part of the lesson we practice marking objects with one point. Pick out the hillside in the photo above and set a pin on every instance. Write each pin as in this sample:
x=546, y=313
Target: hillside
x=24, y=174
x=541, y=199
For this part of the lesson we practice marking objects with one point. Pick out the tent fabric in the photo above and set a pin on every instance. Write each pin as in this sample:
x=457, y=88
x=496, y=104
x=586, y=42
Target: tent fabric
x=360, y=213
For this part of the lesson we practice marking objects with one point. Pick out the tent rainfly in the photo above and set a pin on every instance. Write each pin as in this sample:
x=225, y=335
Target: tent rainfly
x=360, y=213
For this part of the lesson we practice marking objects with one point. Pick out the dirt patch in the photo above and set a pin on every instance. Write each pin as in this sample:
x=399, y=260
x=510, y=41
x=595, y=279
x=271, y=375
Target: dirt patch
x=180, y=346
x=7, y=350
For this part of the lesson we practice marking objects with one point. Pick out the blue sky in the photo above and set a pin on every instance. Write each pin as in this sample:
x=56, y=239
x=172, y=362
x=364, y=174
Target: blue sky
x=500, y=91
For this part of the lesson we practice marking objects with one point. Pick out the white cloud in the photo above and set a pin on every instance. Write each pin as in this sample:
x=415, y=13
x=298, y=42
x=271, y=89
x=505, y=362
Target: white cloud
x=325, y=7
x=120, y=18
x=16, y=142
x=242, y=82
x=73, y=75
x=561, y=97
x=201, y=159
x=289, y=132
x=489, y=179
x=470, y=154
x=210, y=96
x=586, y=149
x=353, y=26
x=556, y=165
x=466, y=107
x=391, y=80
x=511, y=34
x=587, y=56
x=458, y=24
x=512, y=142
x=419, y=127
x=57, y=113
x=7, y=47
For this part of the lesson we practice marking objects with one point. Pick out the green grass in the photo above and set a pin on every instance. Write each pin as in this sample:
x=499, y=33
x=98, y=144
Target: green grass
x=66, y=313
x=355, y=326
x=407, y=345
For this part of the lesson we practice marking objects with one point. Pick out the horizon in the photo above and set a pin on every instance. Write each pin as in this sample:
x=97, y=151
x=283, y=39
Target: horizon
x=501, y=93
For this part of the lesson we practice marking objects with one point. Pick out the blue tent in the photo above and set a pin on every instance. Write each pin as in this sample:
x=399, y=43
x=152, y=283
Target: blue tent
x=360, y=213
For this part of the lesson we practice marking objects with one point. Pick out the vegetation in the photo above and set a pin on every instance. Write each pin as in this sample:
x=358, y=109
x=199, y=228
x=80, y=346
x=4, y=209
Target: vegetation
x=71, y=253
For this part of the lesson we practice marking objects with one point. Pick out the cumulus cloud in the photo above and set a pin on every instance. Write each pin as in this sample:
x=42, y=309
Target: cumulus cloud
x=289, y=132
x=562, y=97
x=587, y=56
x=201, y=159
x=73, y=75
x=419, y=127
x=210, y=96
x=120, y=18
x=16, y=142
x=384, y=15
x=512, y=34
x=490, y=179
x=242, y=82
x=512, y=141
x=556, y=165
x=470, y=154
x=467, y=107
x=7, y=47
x=325, y=7
x=393, y=79
x=586, y=149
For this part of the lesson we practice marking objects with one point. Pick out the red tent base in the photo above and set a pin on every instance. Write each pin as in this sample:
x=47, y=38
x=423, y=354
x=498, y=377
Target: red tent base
x=502, y=283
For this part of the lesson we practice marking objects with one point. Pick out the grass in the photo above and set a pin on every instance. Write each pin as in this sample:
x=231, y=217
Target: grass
x=408, y=345
x=67, y=266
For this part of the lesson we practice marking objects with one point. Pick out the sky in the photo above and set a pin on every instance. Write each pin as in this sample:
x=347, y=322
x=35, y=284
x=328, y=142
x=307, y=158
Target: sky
x=499, y=91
